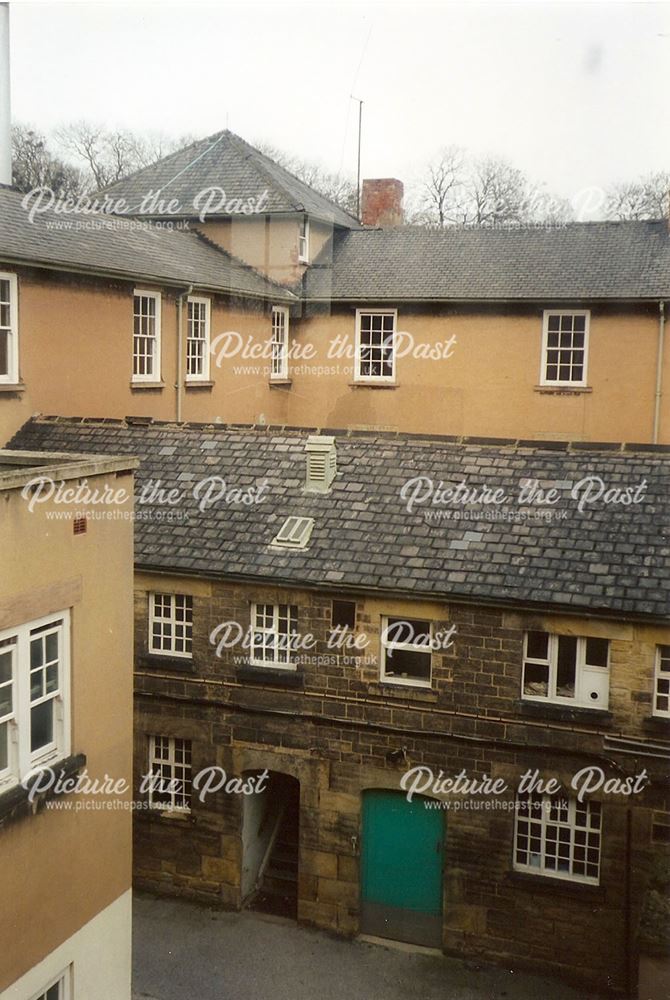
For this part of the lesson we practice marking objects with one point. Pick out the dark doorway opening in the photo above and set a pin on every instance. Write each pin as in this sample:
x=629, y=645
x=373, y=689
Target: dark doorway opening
x=270, y=844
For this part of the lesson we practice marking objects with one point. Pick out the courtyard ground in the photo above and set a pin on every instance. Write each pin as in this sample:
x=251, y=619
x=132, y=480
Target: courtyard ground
x=187, y=952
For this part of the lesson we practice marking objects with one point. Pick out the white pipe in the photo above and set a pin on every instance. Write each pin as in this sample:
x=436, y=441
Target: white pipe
x=5, y=99
x=179, y=385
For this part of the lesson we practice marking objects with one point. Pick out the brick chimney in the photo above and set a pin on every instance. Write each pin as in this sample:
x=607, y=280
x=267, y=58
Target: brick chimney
x=381, y=202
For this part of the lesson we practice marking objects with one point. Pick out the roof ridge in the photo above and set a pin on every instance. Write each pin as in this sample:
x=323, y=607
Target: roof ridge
x=279, y=166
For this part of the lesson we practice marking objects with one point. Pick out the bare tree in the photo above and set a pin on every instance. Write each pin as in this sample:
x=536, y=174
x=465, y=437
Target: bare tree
x=33, y=165
x=109, y=155
x=497, y=193
x=646, y=198
x=441, y=198
x=458, y=189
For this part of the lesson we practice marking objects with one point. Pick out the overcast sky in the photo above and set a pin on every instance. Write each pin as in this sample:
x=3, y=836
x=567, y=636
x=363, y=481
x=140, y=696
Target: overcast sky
x=576, y=94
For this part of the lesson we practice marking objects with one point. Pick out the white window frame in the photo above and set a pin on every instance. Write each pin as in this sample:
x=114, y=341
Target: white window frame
x=280, y=325
x=661, y=676
x=281, y=658
x=155, y=375
x=22, y=760
x=412, y=647
x=538, y=823
x=180, y=798
x=565, y=383
x=173, y=621
x=197, y=300
x=303, y=240
x=375, y=379
x=64, y=982
x=583, y=673
x=12, y=376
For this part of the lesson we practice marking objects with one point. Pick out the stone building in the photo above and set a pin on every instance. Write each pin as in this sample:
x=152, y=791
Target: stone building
x=298, y=315
x=330, y=611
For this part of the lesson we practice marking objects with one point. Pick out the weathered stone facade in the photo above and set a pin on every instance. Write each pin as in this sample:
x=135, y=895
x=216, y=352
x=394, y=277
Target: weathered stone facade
x=332, y=725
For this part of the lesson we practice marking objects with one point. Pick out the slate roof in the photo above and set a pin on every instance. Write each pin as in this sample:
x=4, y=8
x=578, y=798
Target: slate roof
x=226, y=161
x=125, y=248
x=610, y=558
x=591, y=260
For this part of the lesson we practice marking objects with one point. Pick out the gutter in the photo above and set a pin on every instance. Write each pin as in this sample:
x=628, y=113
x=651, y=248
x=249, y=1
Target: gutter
x=448, y=597
x=659, y=370
x=179, y=385
x=149, y=279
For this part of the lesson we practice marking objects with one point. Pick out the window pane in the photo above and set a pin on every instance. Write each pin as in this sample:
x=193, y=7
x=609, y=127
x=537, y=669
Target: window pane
x=4, y=745
x=36, y=653
x=408, y=630
x=596, y=652
x=4, y=352
x=536, y=679
x=52, y=646
x=5, y=700
x=566, y=666
x=407, y=663
x=343, y=614
x=41, y=725
x=537, y=645
x=5, y=666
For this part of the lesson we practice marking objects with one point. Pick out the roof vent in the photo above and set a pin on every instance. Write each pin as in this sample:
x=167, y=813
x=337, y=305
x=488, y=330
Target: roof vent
x=294, y=533
x=321, y=462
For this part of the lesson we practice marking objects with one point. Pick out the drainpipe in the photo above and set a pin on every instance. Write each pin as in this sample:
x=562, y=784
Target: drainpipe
x=179, y=385
x=5, y=107
x=630, y=975
x=659, y=369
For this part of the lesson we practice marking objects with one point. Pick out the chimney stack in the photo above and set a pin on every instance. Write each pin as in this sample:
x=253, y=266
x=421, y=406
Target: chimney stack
x=5, y=106
x=381, y=202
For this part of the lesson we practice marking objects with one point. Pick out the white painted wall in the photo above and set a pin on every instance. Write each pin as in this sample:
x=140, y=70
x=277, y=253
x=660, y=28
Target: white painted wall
x=100, y=956
x=5, y=104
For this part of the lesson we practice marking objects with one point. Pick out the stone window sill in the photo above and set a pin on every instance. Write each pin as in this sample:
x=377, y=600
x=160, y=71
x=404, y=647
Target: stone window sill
x=166, y=816
x=202, y=384
x=556, y=886
x=563, y=390
x=404, y=691
x=146, y=386
x=173, y=664
x=15, y=804
x=12, y=388
x=278, y=677
x=373, y=385
x=565, y=713
x=280, y=383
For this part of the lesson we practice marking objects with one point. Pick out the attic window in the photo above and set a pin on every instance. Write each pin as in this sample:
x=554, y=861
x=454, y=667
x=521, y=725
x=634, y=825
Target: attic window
x=303, y=241
x=294, y=533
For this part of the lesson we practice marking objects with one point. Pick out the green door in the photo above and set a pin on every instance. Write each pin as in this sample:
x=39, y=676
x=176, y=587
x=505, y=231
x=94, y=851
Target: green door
x=401, y=868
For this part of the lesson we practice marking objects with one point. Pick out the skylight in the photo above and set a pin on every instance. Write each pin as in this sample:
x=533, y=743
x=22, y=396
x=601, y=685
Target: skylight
x=294, y=533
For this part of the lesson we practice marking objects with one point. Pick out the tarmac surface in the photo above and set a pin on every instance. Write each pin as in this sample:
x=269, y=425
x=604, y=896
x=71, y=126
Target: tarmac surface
x=182, y=951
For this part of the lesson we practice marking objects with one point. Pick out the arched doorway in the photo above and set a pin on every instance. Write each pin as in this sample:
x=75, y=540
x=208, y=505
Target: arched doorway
x=270, y=844
x=402, y=845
